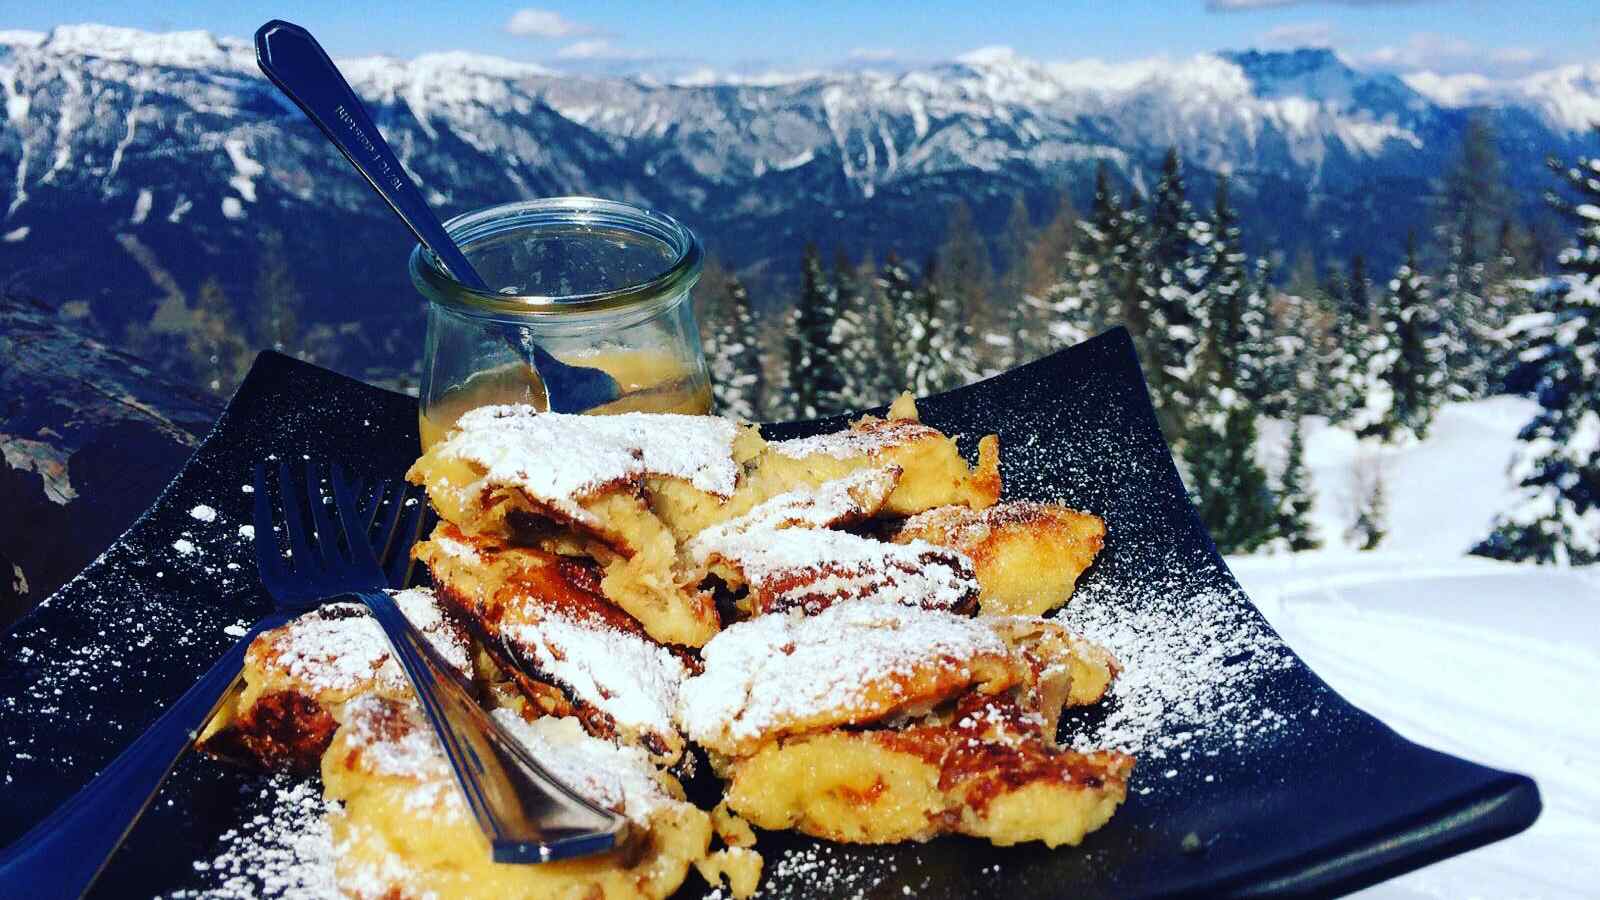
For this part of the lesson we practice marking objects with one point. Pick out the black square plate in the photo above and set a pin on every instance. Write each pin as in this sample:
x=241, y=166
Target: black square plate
x=1253, y=776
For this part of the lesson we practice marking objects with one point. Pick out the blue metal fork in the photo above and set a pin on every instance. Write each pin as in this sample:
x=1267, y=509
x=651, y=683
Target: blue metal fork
x=62, y=855
x=527, y=815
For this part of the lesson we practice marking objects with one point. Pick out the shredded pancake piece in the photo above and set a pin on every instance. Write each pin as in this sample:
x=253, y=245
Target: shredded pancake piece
x=1027, y=555
x=783, y=674
x=401, y=829
x=298, y=676
x=786, y=554
x=547, y=618
x=986, y=768
x=557, y=461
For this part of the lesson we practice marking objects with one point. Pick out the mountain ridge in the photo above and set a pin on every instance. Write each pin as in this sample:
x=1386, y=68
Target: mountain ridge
x=138, y=165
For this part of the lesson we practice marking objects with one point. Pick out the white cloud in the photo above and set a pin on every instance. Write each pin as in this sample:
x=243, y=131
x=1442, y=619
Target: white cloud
x=1447, y=55
x=1465, y=89
x=1300, y=34
x=543, y=23
x=599, y=48
x=992, y=55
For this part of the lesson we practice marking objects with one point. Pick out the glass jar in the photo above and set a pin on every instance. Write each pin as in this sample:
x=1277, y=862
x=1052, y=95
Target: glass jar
x=595, y=282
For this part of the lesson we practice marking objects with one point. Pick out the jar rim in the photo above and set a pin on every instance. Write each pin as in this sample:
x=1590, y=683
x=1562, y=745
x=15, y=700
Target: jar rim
x=435, y=282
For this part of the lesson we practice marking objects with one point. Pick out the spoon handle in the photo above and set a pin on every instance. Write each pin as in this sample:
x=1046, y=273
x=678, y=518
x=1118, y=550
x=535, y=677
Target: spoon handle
x=298, y=65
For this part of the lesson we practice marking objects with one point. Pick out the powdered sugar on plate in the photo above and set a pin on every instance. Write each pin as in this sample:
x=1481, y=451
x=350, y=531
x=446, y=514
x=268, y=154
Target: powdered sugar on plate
x=560, y=459
x=1193, y=662
x=285, y=850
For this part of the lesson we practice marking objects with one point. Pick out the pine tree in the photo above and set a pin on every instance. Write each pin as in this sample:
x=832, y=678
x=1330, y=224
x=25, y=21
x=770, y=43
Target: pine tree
x=1369, y=526
x=1295, y=368
x=899, y=322
x=1472, y=200
x=1406, y=361
x=816, y=380
x=1169, y=334
x=1080, y=295
x=960, y=288
x=852, y=337
x=217, y=351
x=276, y=315
x=1295, y=499
x=939, y=343
x=733, y=355
x=1557, y=517
x=1047, y=278
x=1351, y=342
x=1228, y=486
x=1232, y=306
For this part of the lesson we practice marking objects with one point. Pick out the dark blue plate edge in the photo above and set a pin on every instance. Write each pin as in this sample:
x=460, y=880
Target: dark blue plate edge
x=1501, y=805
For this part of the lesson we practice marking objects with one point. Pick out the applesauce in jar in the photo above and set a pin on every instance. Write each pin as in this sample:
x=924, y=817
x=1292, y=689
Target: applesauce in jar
x=651, y=382
x=594, y=282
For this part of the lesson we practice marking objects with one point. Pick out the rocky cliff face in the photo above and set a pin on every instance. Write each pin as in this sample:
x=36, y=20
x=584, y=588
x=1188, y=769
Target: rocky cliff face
x=89, y=435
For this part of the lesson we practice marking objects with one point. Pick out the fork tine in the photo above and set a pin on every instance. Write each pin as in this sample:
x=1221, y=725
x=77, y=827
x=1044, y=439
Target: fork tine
x=294, y=522
x=327, y=534
x=269, y=559
x=354, y=528
x=388, y=518
x=371, y=497
x=397, y=556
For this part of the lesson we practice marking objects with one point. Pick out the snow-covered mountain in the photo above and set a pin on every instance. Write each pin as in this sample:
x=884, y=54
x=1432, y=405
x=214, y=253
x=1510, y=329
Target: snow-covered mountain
x=135, y=165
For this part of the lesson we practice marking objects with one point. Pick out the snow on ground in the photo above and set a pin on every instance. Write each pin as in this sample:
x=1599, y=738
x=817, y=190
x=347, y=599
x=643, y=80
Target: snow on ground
x=1494, y=662
x=1442, y=493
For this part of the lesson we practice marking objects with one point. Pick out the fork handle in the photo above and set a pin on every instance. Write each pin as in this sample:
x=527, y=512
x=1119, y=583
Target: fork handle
x=62, y=855
x=527, y=814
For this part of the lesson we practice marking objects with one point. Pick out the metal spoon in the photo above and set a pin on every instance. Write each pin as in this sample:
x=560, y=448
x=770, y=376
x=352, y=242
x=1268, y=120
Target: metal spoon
x=293, y=60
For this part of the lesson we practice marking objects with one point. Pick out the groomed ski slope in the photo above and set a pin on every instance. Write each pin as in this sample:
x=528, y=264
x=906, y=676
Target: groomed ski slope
x=1495, y=662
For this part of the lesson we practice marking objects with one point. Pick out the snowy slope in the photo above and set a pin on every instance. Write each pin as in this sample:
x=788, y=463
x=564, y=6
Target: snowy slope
x=1442, y=492
x=1494, y=662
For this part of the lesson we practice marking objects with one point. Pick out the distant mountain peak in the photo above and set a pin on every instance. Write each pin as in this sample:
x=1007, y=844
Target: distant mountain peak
x=171, y=49
x=1286, y=63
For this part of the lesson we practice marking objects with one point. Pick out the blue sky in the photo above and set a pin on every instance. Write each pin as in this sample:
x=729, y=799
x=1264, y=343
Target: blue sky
x=1494, y=38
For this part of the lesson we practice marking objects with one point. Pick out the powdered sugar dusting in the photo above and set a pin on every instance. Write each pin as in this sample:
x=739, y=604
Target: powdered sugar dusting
x=560, y=459
x=285, y=850
x=790, y=558
x=1192, y=664
x=395, y=741
x=874, y=437
x=621, y=778
x=776, y=669
x=627, y=676
x=836, y=502
x=339, y=647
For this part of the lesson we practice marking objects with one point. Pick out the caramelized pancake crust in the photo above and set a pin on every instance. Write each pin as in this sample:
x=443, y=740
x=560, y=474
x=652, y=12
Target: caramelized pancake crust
x=297, y=677
x=985, y=770
x=1027, y=555
x=545, y=616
